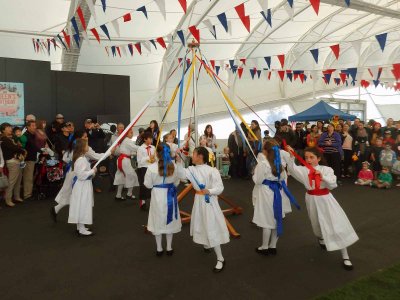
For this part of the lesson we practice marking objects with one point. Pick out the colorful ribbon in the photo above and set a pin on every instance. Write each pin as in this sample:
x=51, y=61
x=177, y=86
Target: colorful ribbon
x=167, y=159
x=172, y=200
x=277, y=160
x=201, y=187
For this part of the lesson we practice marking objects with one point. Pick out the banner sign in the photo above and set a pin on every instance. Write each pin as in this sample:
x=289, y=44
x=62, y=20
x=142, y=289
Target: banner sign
x=12, y=103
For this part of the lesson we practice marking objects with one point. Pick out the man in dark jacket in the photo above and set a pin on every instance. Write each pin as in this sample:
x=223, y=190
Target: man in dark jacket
x=96, y=136
x=300, y=139
x=62, y=140
x=30, y=160
x=286, y=133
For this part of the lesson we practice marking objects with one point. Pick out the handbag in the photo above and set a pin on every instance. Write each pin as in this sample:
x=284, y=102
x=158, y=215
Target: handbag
x=3, y=181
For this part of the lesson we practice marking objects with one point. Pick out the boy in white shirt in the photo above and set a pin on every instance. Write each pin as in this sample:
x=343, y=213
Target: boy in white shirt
x=145, y=157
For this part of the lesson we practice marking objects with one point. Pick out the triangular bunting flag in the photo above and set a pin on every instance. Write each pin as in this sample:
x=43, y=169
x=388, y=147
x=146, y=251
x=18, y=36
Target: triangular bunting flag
x=234, y=69
x=210, y=27
x=118, y=50
x=138, y=48
x=75, y=25
x=381, y=38
x=335, y=50
x=67, y=38
x=130, y=48
x=81, y=17
x=267, y=16
x=364, y=83
x=281, y=74
x=223, y=20
x=289, y=76
x=143, y=10
x=396, y=71
x=104, y=5
x=290, y=2
x=181, y=37
x=252, y=73
x=115, y=24
x=212, y=62
x=147, y=46
x=105, y=30
x=62, y=42
x=327, y=77
x=127, y=17
x=77, y=39
x=123, y=50
x=96, y=34
x=343, y=77
x=240, y=72
x=55, y=44
x=263, y=4
x=195, y=32
x=217, y=68
x=243, y=61
x=161, y=41
x=269, y=75
x=258, y=73
x=153, y=43
x=113, y=51
x=315, y=5
x=353, y=73
x=242, y=15
x=376, y=82
x=315, y=53
x=301, y=75
x=183, y=4
x=281, y=59
x=161, y=7
x=231, y=63
x=268, y=61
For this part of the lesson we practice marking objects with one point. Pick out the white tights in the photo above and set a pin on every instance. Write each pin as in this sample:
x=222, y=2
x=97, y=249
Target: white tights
x=159, y=241
x=269, y=238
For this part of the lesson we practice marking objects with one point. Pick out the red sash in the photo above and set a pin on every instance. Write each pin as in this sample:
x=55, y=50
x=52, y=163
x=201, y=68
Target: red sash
x=119, y=162
x=319, y=192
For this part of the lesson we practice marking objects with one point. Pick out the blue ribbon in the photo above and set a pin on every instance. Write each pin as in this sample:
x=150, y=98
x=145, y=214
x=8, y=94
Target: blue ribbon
x=75, y=179
x=172, y=198
x=276, y=187
x=167, y=159
x=277, y=160
x=201, y=187
x=70, y=137
x=68, y=167
x=180, y=101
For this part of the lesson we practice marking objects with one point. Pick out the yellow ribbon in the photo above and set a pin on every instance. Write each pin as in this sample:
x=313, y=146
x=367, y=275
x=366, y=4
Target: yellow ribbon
x=189, y=80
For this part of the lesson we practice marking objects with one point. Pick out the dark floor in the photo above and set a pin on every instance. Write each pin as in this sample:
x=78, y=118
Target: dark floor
x=40, y=260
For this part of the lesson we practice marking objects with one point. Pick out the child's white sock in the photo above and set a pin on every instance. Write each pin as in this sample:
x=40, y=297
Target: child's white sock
x=119, y=190
x=158, y=242
x=274, y=239
x=266, y=234
x=169, y=241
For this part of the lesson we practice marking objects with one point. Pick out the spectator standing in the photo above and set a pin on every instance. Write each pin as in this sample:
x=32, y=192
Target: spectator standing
x=320, y=127
x=32, y=150
x=211, y=138
x=235, y=145
x=361, y=146
x=139, y=139
x=347, y=146
x=62, y=141
x=173, y=133
x=331, y=142
x=155, y=131
x=390, y=126
x=354, y=128
x=300, y=143
x=313, y=137
x=286, y=133
x=376, y=133
x=96, y=136
x=11, y=151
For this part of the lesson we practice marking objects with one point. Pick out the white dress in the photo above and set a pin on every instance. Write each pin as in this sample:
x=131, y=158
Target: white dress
x=81, y=200
x=130, y=179
x=64, y=194
x=264, y=196
x=174, y=148
x=286, y=205
x=207, y=226
x=157, y=221
x=328, y=220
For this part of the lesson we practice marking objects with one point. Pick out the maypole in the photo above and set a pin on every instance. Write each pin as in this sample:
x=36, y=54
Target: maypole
x=194, y=46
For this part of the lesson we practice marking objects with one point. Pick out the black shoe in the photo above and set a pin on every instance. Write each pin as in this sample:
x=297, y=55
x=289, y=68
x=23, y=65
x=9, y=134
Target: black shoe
x=207, y=250
x=53, y=214
x=347, y=267
x=159, y=253
x=272, y=251
x=262, y=251
x=120, y=199
x=215, y=270
x=170, y=252
x=323, y=246
x=131, y=197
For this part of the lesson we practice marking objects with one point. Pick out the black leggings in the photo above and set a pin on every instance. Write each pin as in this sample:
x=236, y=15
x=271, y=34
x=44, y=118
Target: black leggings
x=347, y=162
x=333, y=161
x=144, y=192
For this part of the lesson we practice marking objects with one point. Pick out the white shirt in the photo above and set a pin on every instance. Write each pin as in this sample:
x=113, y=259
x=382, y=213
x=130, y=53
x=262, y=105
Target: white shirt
x=143, y=155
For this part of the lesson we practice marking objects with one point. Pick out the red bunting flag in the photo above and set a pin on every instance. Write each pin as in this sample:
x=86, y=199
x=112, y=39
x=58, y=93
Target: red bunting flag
x=269, y=75
x=212, y=62
x=179, y=60
x=343, y=77
x=67, y=39
x=195, y=32
x=396, y=71
x=119, y=51
x=138, y=48
x=301, y=77
x=161, y=41
x=315, y=5
x=183, y=4
x=80, y=15
x=336, y=50
x=281, y=74
x=127, y=17
x=364, y=83
x=282, y=59
x=243, y=60
x=242, y=15
x=240, y=72
x=96, y=34
x=295, y=76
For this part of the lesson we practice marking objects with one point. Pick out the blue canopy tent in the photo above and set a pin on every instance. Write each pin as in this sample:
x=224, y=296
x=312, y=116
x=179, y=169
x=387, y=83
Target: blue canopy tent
x=320, y=111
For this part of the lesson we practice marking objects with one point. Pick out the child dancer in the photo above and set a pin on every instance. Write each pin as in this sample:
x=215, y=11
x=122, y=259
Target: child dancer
x=328, y=220
x=126, y=175
x=64, y=195
x=365, y=176
x=226, y=163
x=269, y=178
x=145, y=157
x=81, y=201
x=171, y=144
x=384, y=180
x=164, y=218
x=207, y=226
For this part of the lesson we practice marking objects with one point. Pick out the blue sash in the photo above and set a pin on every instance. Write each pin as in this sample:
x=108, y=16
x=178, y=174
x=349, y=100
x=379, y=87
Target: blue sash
x=276, y=187
x=201, y=187
x=68, y=167
x=75, y=179
x=172, y=199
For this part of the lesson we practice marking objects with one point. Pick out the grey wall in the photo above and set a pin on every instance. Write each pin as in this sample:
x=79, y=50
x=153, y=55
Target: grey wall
x=76, y=95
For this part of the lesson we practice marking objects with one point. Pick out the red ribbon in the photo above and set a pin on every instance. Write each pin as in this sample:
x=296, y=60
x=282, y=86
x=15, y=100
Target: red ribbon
x=312, y=175
x=119, y=162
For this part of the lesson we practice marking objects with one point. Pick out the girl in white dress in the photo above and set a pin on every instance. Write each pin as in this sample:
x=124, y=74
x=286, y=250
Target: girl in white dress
x=328, y=220
x=64, y=195
x=162, y=178
x=207, y=226
x=81, y=201
x=126, y=175
x=270, y=183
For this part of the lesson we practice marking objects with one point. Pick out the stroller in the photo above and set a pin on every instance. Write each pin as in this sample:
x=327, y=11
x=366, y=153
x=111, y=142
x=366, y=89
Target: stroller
x=49, y=176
